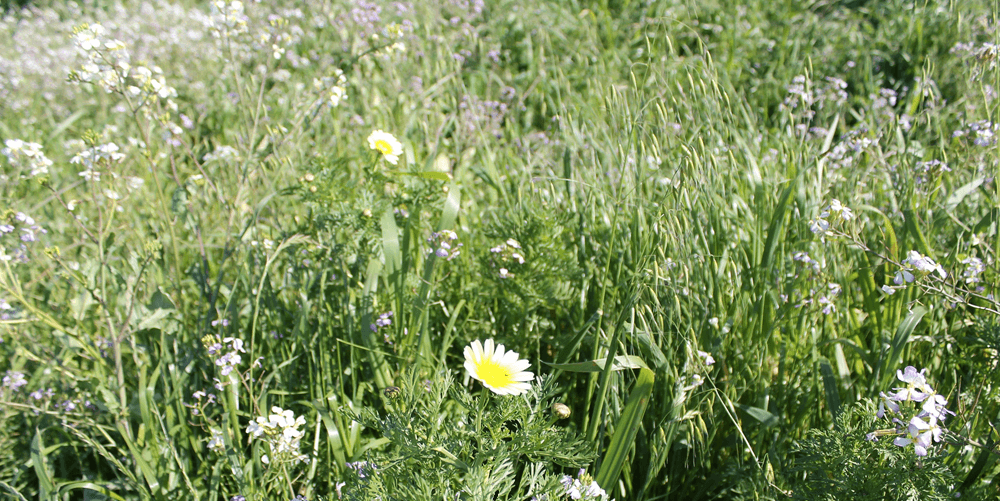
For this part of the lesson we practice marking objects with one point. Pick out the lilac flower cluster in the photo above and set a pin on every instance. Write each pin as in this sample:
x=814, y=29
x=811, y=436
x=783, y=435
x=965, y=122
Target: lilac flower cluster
x=443, y=244
x=42, y=395
x=365, y=20
x=826, y=300
x=846, y=152
x=383, y=320
x=483, y=116
x=583, y=487
x=506, y=254
x=984, y=55
x=14, y=380
x=7, y=312
x=929, y=170
x=974, y=268
x=363, y=469
x=824, y=297
x=837, y=212
x=885, y=99
x=803, y=257
x=913, y=267
x=917, y=411
x=802, y=94
x=26, y=230
x=229, y=360
x=982, y=132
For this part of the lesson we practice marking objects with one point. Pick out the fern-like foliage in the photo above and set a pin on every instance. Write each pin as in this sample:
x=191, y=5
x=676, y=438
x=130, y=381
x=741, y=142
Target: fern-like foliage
x=841, y=464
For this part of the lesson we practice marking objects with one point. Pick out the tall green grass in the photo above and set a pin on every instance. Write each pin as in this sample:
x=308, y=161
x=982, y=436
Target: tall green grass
x=660, y=166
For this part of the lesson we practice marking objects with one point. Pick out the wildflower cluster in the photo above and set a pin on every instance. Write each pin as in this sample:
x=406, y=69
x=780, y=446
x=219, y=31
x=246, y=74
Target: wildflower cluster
x=443, y=244
x=217, y=443
x=149, y=85
x=202, y=401
x=974, y=268
x=849, y=149
x=281, y=433
x=482, y=116
x=915, y=266
x=393, y=33
x=107, y=62
x=983, y=132
x=108, y=65
x=363, y=468
x=26, y=157
x=583, y=487
x=332, y=89
x=225, y=361
x=805, y=96
x=930, y=170
x=7, y=312
x=806, y=260
x=917, y=411
x=835, y=212
x=26, y=231
x=826, y=300
x=704, y=361
x=383, y=320
x=95, y=157
x=222, y=153
x=507, y=252
x=14, y=380
x=227, y=20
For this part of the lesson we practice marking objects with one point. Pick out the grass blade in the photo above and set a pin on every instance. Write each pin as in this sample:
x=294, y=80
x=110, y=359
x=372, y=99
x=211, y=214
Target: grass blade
x=625, y=431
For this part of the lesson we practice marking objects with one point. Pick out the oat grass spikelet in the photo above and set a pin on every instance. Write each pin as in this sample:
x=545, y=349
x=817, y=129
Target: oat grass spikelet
x=387, y=144
x=499, y=370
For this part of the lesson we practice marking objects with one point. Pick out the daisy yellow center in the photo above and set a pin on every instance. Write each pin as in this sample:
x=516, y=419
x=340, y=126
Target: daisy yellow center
x=494, y=374
x=383, y=146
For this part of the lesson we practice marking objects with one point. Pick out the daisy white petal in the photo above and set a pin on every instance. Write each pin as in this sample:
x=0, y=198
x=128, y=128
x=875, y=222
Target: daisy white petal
x=498, y=369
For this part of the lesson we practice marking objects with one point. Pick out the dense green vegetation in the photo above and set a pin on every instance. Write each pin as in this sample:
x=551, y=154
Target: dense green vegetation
x=221, y=277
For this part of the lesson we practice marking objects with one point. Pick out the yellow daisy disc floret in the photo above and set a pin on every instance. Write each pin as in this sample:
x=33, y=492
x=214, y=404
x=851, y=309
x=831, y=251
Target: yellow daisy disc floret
x=387, y=144
x=499, y=370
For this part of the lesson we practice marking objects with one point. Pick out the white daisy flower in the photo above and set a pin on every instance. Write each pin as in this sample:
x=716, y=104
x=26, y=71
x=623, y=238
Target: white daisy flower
x=387, y=144
x=499, y=370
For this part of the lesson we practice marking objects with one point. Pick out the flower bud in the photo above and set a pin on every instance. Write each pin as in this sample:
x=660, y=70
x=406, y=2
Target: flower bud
x=561, y=410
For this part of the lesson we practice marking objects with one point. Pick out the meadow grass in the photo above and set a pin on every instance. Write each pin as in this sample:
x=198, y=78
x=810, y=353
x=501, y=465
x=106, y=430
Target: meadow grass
x=722, y=235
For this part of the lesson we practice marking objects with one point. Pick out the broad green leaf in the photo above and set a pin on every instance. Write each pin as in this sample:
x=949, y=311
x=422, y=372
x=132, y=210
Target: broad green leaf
x=765, y=417
x=903, y=332
x=625, y=431
x=956, y=198
x=46, y=489
x=830, y=387
x=390, y=242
